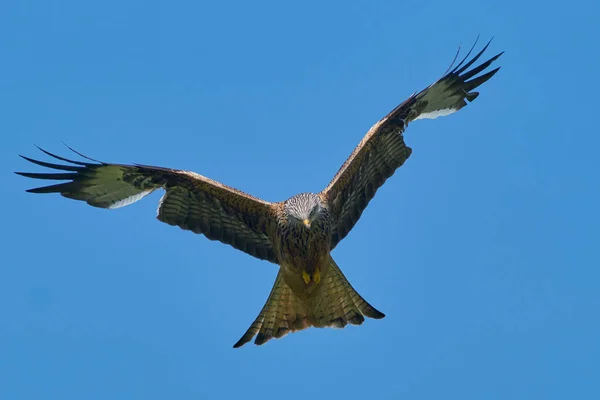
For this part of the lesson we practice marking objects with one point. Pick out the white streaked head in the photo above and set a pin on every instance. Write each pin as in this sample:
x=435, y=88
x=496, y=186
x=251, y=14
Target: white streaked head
x=303, y=208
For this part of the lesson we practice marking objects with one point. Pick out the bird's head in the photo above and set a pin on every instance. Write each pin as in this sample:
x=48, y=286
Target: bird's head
x=304, y=209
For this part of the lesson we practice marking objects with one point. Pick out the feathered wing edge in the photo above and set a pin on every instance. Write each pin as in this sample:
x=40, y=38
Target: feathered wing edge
x=191, y=201
x=110, y=190
x=451, y=92
x=382, y=151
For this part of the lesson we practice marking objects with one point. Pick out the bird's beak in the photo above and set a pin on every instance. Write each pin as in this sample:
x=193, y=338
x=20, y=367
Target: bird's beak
x=306, y=223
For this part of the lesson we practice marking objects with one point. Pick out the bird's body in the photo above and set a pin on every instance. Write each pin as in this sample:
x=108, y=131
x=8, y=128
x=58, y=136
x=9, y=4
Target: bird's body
x=297, y=234
x=304, y=241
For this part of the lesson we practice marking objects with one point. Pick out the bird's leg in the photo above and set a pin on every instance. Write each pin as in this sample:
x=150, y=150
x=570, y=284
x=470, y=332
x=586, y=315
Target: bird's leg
x=306, y=277
x=317, y=275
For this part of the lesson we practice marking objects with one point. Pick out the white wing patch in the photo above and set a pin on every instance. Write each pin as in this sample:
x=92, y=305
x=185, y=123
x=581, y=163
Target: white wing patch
x=436, y=113
x=440, y=101
x=129, y=200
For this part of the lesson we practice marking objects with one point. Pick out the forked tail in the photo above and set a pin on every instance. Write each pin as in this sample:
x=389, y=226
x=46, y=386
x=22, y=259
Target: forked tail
x=335, y=304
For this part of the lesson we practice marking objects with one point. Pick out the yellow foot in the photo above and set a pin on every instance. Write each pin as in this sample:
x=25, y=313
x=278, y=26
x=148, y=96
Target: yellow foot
x=317, y=275
x=306, y=277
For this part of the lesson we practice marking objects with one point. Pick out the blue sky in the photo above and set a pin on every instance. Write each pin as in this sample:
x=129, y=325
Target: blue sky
x=482, y=250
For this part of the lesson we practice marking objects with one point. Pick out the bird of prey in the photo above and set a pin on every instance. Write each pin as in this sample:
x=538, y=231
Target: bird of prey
x=298, y=234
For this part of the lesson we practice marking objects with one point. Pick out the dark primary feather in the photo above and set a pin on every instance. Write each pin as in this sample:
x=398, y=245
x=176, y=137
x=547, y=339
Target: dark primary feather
x=192, y=202
x=383, y=150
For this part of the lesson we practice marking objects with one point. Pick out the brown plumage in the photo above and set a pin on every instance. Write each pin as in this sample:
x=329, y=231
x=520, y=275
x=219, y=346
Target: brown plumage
x=297, y=234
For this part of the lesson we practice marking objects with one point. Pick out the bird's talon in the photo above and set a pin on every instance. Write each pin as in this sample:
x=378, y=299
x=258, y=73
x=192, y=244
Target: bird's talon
x=306, y=277
x=317, y=275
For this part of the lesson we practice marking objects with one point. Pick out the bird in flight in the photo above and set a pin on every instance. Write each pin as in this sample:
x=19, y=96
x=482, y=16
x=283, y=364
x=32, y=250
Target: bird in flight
x=298, y=234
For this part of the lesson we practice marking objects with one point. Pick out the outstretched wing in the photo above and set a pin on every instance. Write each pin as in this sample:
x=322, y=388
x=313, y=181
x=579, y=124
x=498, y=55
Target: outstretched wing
x=382, y=150
x=192, y=201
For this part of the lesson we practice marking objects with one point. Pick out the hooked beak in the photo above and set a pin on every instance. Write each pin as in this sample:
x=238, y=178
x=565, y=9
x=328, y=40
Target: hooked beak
x=306, y=223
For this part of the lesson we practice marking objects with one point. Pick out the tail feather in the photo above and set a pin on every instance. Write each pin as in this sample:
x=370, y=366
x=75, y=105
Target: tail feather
x=281, y=314
x=335, y=304
x=339, y=304
x=346, y=300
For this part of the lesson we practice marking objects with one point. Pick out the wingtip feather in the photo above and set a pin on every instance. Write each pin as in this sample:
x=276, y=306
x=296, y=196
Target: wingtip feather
x=480, y=80
x=63, y=158
x=452, y=92
x=81, y=155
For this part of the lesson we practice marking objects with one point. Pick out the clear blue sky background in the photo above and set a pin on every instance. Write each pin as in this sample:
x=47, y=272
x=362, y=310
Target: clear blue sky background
x=482, y=250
